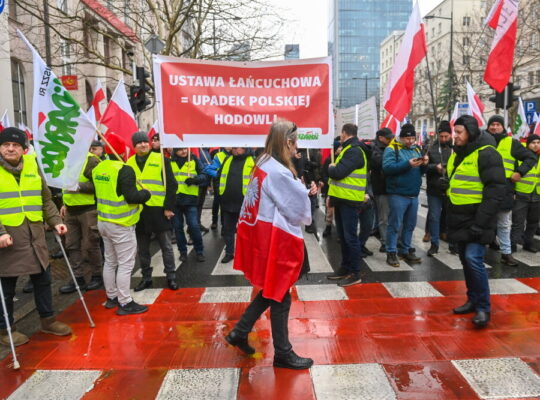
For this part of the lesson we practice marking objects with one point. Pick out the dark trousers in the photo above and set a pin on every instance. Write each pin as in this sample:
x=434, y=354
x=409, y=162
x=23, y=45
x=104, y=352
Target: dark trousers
x=230, y=219
x=347, y=229
x=366, y=217
x=202, y=196
x=42, y=295
x=189, y=213
x=525, y=216
x=83, y=243
x=215, y=202
x=313, y=203
x=143, y=250
x=471, y=256
x=279, y=318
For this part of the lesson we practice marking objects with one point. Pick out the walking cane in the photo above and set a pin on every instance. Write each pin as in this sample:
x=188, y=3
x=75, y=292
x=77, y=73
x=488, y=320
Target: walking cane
x=59, y=240
x=16, y=364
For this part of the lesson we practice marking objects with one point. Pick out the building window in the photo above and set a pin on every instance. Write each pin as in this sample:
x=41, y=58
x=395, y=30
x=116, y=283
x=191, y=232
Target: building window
x=65, y=54
x=440, y=27
x=466, y=41
x=538, y=76
x=19, y=96
x=466, y=21
x=107, y=49
x=466, y=59
x=531, y=78
x=62, y=5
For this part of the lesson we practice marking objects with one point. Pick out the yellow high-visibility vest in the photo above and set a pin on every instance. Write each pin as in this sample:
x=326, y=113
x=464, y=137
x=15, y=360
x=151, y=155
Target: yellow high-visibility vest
x=151, y=177
x=74, y=198
x=531, y=181
x=246, y=174
x=181, y=174
x=505, y=150
x=353, y=186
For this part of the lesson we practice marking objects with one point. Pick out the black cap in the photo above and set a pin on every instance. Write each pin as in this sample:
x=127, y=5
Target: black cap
x=97, y=143
x=407, y=130
x=385, y=132
x=495, y=118
x=532, y=137
x=139, y=137
x=14, y=135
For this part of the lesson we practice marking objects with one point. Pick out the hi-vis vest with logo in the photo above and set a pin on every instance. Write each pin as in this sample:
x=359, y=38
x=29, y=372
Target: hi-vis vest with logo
x=181, y=174
x=221, y=156
x=465, y=185
x=505, y=150
x=352, y=187
x=246, y=174
x=110, y=206
x=151, y=177
x=74, y=198
x=23, y=199
x=531, y=181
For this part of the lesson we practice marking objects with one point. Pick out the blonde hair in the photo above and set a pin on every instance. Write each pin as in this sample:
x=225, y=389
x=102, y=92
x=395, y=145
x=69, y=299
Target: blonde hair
x=276, y=143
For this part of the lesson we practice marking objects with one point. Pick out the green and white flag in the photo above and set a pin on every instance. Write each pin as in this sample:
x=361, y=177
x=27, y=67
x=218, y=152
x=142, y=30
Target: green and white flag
x=62, y=131
x=521, y=129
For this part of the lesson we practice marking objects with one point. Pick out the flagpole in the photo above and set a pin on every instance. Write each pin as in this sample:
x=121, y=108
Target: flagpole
x=163, y=164
x=505, y=106
x=188, y=160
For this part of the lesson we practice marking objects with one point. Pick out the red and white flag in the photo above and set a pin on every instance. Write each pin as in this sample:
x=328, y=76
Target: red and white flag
x=503, y=17
x=476, y=107
x=153, y=130
x=4, y=122
x=118, y=117
x=391, y=123
x=536, y=119
x=455, y=116
x=400, y=88
x=99, y=103
x=269, y=242
x=25, y=129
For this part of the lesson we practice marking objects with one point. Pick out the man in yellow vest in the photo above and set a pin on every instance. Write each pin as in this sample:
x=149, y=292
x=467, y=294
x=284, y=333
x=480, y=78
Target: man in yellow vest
x=157, y=213
x=82, y=239
x=475, y=191
x=347, y=191
x=517, y=161
x=25, y=204
x=234, y=178
x=119, y=208
x=527, y=204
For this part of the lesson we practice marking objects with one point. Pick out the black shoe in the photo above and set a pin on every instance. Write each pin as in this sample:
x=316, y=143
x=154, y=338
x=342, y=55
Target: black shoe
x=530, y=248
x=227, y=258
x=367, y=251
x=171, y=283
x=392, y=260
x=310, y=229
x=29, y=287
x=452, y=248
x=234, y=339
x=95, y=283
x=131, y=308
x=434, y=249
x=494, y=246
x=410, y=257
x=353, y=279
x=292, y=360
x=509, y=260
x=58, y=255
x=144, y=284
x=382, y=249
x=481, y=319
x=213, y=226
x=466, y=308
x=183, y=257
x=201, y=258
x=70, y=287
x=341, y=273
x=111, y=303
x=327, y=231
x=204, y=229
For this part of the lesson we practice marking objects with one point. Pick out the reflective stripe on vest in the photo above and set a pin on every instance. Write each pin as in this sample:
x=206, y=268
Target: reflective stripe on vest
x=151, y=177
x=181, y=174
x=74, y=198
x=465, y=186
x=20, y=200
x=353, y=186
x=530, y=181
x=246, y=174
x=110, y=206
x=505, y=150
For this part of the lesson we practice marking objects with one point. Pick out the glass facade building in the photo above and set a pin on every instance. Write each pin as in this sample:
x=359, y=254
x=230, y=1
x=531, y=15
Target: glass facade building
x=355, y=31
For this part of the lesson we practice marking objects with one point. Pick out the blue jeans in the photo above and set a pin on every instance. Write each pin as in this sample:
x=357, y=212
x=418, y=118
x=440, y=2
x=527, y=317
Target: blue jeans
x=476, y=278
x=347, y=229
x=435, y=205
x=191, y=217
x=366, y=217
x=402, y=218
x=504, y=226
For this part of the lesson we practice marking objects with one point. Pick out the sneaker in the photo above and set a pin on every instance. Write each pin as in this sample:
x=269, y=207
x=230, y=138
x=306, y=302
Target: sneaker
x=509, y=260
x=434, y=249
x=341, y=273
x=111, y=303
x=201, y=258
x=227, y=258
x=292, y=361
x=183, y=257
x=353, y=279
x=392, y=260
x=131, y=308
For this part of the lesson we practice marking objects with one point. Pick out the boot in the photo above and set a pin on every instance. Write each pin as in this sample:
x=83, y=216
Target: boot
x=426, y=238
x=95, y=283
x=18, y=338
x=466, y=308
x=70, y=287
x=392, y=260
x=434, y=249
x=509, y=260
x=327, y=231
x=411, y=257
x=143, y=284
x=234, y=339
x=54, y=327
x=481, y=319
x=292, y=360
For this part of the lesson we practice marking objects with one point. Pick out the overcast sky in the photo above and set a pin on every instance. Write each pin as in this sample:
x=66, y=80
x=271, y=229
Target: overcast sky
x=310, y=24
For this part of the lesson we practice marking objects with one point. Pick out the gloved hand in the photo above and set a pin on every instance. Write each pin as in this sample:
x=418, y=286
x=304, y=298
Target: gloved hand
x=190, y=181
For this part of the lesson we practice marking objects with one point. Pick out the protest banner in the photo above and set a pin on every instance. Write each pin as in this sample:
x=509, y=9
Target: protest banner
x=210, y=103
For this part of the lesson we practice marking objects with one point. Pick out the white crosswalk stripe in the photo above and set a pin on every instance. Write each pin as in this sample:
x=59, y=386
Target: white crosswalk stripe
x=320, y=292
x=240, y=294
x=377, y=262
x=318, y=263
x=225, y=268
x=411, y=289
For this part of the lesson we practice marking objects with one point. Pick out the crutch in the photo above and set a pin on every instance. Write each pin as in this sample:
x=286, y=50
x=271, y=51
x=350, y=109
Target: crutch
x=59, y=240
x=16, y=364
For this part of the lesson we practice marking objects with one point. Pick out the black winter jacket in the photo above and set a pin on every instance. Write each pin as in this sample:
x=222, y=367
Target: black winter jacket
x=477, y=222
x=437, y=155
x=378, y=182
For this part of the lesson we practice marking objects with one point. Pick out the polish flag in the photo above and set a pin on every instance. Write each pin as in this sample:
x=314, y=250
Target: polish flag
x=391, y=123
x=118, y=117
x=476, y=107
x=4, y=122
x=98, y=104
x=455, y=116
x=536, y=119
x=269, y=241
x=325, y=153
x=400, y=89
x=503, y=17
x=153, y=130
x=25, y=129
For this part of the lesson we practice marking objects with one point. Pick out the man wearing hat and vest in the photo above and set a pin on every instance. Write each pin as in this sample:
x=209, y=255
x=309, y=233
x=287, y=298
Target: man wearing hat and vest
x=234, y=177
x=119, y=208
x=82, y=239
x=347, y=192
x=475, y=191
x=96, y=148
x=25, y=204
x=518, y=161
x=157, y=213
x=188, y=174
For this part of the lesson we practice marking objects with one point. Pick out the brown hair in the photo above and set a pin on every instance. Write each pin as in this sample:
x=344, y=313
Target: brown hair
x=276, y=143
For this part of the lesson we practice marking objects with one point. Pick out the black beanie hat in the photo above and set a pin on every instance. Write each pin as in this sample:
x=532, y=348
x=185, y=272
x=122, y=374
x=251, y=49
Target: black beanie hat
x=407, y=130
x=14, y=135
x=97, y=143
x=139, y=137
x=444, y=126
x=532, y=137
x=471, y=125
x=385, y=132
x=495, y=118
